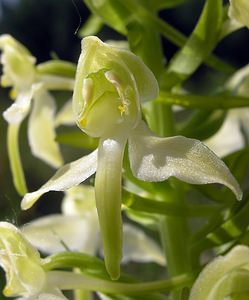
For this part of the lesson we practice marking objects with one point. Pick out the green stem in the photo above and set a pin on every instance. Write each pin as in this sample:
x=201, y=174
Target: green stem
x=82, y=295
x=68, y=280
x=173, y=230
x=204, y=102
x=15, y=160
x=172, y=34
x=148, y=205
x=174, y=234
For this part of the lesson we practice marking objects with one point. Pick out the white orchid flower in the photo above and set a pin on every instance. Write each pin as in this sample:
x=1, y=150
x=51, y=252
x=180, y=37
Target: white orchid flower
x=229, y=138
x=25, y=276
x=77, y=229
x=239, y=11
x=19, y=73
x=224, y=278
x=110, y=85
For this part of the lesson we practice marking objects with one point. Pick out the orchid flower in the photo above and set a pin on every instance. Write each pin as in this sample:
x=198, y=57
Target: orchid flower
x=239, y=11
x=229, y=137
x=77, y=229
x=25, y=276
x=20, y=73
x=224, y=278
x=111, y=83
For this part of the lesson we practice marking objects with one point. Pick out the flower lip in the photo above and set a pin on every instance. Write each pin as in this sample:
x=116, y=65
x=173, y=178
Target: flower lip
x=104, y=94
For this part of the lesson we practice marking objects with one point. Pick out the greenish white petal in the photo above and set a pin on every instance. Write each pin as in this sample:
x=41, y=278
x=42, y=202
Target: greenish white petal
x=66, y=177
x=229, y=137
x=212, y=282
x=65, y=116
x=20, y=108
x=139, y=247
x=79, y=201
x=46, y=296
x=21, y=263
x=156, y=159
x=57, y=233
x=18, y=64
x=41, y=129
x=239, y=82
x=239, y=10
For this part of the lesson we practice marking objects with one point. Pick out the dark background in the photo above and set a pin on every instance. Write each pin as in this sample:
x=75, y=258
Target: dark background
x=49, y=28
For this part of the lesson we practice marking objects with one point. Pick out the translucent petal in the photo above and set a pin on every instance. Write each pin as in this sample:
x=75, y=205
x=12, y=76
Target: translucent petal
x=79, y=201
x=209, y=278
x=45, y=296
x=18, y=64
x=146, y=82
x=20, y=108
x=21, y=263
x=139, y=247
x=239, y=10
x=156, y=159
x=58, y=233
x=66, y=177
x=65, y=116
x=229, y=138
x=239, y=81
x=41, y=129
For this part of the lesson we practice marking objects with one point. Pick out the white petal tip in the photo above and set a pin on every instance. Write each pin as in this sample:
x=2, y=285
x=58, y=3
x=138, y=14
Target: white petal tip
x=29, y=200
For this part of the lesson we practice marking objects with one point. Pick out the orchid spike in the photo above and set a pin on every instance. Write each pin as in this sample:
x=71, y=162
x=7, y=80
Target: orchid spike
x=111, y=83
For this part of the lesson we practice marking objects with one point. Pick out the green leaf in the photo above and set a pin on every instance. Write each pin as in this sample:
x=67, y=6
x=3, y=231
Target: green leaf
x=95, y=267
x=197, y=48
x=78, y=139
x=229, y=230
x=203, y=101
x=142, y=204
x=169, y=32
